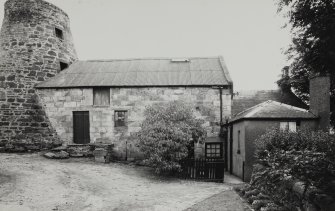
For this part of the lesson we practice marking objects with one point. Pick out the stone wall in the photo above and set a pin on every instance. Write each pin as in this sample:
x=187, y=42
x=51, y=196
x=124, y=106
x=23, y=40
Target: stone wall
x=30, y=52
x=60, y=103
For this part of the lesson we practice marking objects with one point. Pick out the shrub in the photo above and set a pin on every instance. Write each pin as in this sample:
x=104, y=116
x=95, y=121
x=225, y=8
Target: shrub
x=306, y=156
x=167, y=135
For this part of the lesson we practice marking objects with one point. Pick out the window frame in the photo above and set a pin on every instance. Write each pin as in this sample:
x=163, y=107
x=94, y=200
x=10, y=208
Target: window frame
x=117, y=122
x=289, y=126
x=207, y=144
x=96, y=90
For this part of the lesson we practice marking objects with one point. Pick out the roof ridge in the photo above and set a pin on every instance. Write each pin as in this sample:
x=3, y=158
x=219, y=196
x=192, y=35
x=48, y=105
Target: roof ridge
x=152, y=71
x=148, y=58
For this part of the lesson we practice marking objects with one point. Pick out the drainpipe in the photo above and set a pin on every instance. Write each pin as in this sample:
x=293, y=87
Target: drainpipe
x=126, y=151
x=231, y=149
x=221, y=121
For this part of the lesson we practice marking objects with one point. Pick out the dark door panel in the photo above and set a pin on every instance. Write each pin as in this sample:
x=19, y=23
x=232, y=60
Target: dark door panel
x=81, y=127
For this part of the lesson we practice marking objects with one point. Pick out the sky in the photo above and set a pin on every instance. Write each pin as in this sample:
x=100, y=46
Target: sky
x=248, y=34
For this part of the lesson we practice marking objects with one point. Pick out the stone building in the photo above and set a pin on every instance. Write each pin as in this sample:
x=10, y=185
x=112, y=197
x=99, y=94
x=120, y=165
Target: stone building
x=104, y=101
x=35, y=44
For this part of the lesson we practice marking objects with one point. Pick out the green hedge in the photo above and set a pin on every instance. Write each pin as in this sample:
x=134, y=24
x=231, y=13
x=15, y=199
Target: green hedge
x=304, y=156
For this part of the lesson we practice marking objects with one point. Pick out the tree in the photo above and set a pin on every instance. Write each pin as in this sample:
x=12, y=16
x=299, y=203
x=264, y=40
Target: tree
x=168, y=134
x=312, y=51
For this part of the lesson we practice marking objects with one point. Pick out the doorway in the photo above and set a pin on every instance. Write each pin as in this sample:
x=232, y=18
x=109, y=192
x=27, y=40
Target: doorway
x=81, y=127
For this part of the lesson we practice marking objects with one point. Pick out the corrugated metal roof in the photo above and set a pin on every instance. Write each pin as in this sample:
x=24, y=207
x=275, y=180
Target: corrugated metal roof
x=143, y=72
x=273, y=109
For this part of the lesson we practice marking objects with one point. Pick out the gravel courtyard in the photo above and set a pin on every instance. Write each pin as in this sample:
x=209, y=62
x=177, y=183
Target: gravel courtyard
x=32, y=182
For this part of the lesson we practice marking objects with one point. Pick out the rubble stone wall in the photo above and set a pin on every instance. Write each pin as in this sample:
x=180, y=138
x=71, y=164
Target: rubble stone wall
x=59, y=105
x=30, y=52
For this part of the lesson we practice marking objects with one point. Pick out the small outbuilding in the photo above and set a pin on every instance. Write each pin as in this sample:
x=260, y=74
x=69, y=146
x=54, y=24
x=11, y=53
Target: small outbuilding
x=247, y=125
x=251, y=123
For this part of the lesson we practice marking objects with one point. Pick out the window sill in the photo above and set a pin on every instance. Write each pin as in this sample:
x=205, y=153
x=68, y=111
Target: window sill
x=121, y=127
x=101, y=106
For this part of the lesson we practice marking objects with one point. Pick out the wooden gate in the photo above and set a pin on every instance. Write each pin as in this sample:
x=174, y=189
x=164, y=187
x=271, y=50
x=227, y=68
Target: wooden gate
x=203, y=169
x=81, y=127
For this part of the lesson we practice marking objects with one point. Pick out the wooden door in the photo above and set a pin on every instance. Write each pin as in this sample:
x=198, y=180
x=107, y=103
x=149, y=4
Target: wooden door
x=81, y=127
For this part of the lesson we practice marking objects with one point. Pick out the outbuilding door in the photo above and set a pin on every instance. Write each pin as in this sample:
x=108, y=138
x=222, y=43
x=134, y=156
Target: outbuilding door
x=81, y=127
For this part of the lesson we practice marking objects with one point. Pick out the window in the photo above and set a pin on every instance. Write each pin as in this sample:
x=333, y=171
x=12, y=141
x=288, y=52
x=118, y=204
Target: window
x=213, y=150
x=120, y=118
x=59, y=33
x=239, y=142
x=101, y=96
x=63, y=65
x=288, y=126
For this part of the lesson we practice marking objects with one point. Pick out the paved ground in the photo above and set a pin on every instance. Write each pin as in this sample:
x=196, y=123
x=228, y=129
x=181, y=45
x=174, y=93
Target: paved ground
x=227, y=200
x=31, y=182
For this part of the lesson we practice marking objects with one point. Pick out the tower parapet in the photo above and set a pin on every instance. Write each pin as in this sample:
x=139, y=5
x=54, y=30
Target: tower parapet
x=35, y=44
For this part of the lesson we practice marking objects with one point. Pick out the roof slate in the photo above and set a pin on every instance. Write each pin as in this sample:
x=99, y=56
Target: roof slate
x=142, y=72
x=272, y=109
x=244, y=99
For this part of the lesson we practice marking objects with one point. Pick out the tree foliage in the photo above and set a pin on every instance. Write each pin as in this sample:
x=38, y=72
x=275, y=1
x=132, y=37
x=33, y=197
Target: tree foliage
x=167, y=135
x=312, y=50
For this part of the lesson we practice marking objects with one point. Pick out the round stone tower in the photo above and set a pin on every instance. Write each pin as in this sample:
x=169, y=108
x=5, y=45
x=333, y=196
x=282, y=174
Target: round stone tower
x=35, y=44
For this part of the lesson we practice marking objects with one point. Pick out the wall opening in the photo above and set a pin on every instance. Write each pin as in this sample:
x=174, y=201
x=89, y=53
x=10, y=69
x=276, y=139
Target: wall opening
x=63, y=65
x=59, y=33
x=81, y=127
x=120, y=118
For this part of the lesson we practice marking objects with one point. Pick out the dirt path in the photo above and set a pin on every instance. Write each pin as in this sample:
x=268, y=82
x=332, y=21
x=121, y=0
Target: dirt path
x=31, y=182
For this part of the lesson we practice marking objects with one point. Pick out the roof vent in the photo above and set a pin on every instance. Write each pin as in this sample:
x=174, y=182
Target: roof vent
x=180, y=60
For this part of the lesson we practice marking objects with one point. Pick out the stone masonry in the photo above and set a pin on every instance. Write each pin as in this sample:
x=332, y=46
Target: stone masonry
x=60, y=103
x=35, y=37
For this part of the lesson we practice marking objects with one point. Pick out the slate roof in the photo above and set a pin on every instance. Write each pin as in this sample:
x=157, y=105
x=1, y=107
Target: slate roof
x=244, y=99
x=273, y=110
x=210, y=71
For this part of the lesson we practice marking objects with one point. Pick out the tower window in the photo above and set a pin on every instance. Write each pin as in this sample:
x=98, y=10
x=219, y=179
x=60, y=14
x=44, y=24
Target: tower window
x=59, y=33
x=63, y=65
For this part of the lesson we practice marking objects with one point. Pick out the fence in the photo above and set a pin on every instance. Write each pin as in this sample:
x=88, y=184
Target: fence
x=203, y=169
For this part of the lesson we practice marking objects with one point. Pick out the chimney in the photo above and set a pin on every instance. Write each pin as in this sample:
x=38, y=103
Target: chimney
x=319, y=100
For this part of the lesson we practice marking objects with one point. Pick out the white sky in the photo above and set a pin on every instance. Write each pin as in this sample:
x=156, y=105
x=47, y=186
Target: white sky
x=246, y=33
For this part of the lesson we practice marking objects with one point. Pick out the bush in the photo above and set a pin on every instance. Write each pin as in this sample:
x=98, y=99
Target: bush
x=167, y=135
x=306, y=156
